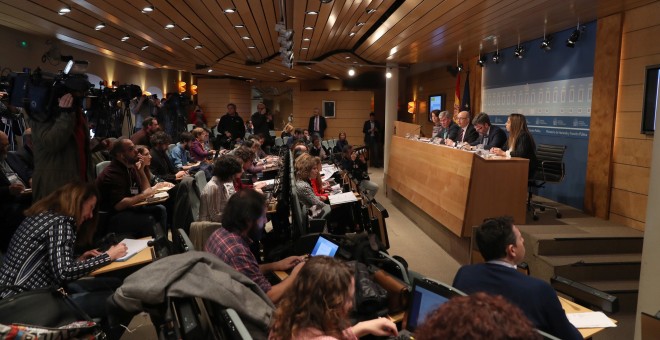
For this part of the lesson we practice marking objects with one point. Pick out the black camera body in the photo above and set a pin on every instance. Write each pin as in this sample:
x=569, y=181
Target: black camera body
x=127, y=92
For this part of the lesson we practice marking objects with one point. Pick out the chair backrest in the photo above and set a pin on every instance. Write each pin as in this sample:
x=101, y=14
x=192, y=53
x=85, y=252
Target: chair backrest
x=190, y=127
x=325, y=144
x=201, y=231
x=550, y=160
x=200, y=179
x=100, y=167
x=285, y=139
x=279, y=141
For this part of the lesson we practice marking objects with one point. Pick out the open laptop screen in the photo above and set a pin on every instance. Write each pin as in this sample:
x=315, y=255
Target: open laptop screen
x=427, y=296
x=324, y=247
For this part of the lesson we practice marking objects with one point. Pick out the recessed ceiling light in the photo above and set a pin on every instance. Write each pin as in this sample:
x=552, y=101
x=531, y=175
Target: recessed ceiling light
x=230, y=10
x=64, y=10
x=226, y=74
x=347, y=57
x=351, y=34
x=239, y=26
x=307, y=67
x=199, y=46
x=148, y=9
x=304, y=48
x=144, y=47
x=309, y=28
x=306, y=39
x=359, y=24
x=258, y=67
x=169, y=26
x=245, y=38
x=271, y=71
x=251, y=47
x=370, y=10
x=312, y=12
x=351, y=72
x=355, y=62
x=210, y=70
x=187, y=37
x=126, y=37
x=100, y=26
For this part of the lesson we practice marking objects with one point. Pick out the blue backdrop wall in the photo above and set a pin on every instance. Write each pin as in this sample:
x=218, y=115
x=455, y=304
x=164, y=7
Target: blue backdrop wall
x=553, y=90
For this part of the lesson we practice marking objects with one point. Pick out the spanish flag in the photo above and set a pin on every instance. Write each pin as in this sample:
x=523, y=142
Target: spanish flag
x=457, y=95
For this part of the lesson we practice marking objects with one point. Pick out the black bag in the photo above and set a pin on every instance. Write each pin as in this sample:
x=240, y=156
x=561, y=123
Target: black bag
x=370, y=298
x=46, y=307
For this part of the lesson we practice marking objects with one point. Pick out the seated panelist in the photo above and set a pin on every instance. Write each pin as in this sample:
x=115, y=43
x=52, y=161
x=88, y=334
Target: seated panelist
x=520, y=142
x=444, y=126
x=466, y=133
x=489, y=135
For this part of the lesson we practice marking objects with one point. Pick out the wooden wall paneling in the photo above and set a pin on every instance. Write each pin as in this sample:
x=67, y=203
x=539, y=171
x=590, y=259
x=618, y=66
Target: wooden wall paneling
x=630, y=178
x=215, y=94
x=633, y=151
x=643, y=17
x=629, y=204
x=616, y=218
x=636, y=43
x=628, y=125
x=631, y=98
x=633, y=70
x=603, y=116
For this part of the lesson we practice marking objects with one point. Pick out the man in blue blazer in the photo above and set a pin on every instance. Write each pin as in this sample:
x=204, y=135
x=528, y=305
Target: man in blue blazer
x=503, y=247
x=489, y=135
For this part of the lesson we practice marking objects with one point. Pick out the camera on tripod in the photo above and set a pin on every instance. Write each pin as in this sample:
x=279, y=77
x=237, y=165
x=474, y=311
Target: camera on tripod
x=38, y=92
x=127, y=92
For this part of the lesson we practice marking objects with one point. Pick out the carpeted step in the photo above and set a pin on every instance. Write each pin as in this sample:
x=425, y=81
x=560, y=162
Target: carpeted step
x=581, y=268
x=589, y=245
x=614, y=287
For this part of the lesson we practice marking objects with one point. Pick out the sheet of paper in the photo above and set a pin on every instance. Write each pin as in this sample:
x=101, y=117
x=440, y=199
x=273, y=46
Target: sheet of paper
x=266, y=182
x=134, y=247
x=590, y=320
x=344, y=197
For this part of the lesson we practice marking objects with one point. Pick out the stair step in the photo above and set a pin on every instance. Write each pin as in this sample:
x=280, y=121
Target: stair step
x=591, y=259
x=593, y=267
x=589, y=245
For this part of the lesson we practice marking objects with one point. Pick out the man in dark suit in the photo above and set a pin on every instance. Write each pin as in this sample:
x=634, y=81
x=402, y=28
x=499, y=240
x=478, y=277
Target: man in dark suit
x=503, y=247
x=448, y=129
x=372, y=132
x=317, y=124
x=489, y=135
x=466, y=132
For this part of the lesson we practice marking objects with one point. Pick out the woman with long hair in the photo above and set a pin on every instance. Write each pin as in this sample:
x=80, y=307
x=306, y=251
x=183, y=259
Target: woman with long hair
x=41, y=252
x=306, y=171
x=318, y=304
x=317, y=182
x=341, y=142
x=520, y=142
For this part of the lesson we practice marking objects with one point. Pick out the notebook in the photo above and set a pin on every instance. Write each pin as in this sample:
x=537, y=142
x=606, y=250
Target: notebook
x=134, y=247
x=324, y=247
x=426, y=296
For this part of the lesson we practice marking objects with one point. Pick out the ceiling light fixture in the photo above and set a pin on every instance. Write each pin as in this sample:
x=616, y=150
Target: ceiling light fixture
x=245, y=38
x=306, y=39
x=359, y=24
x=239, y=26
x=545, y=43
x=230, y=10
x=371, y=10
x=100, y=26
x=210, y=70
x=251, y=47
x=199, y=46
x=388, y=75
x=148, y=9
x=304, y=48
x=459, y=67
x=144, y=47
x=496, y=57
x=187, y=37
x=309, y=28
x=170, y=26
x=575, y=36
x=64, y=10
x=312, y=12
x=351, y=34
x=325, y=1
x=519, y=51
x=482, y=60
x=125, y=38
x=351, y=72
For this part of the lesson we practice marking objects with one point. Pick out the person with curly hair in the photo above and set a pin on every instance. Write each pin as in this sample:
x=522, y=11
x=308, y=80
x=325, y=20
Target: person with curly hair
x=217, y=192
x=318, y=304
x=474, y=317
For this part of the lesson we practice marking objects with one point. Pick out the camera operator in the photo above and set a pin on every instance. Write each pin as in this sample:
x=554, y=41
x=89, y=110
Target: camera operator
x=355, y=164
x=140, y=108
x=61, y=149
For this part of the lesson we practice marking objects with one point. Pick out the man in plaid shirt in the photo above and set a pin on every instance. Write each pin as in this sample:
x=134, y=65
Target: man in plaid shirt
x=243, y=222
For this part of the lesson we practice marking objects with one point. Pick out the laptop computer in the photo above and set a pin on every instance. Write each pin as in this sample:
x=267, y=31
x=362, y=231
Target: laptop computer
x=324, y=247
x=426, y=296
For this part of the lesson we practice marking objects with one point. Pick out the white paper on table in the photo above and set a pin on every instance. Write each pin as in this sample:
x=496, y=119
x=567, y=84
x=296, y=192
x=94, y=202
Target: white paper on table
x=590, y=320
x=134, y=247
x=345, y=197
x=266, y=182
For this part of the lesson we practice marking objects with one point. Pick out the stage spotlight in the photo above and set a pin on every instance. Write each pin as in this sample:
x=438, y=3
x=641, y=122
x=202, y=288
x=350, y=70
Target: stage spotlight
x=482, y=60
x=575, y=36
x=496, y=57
x=519, y=52
x=545, y=43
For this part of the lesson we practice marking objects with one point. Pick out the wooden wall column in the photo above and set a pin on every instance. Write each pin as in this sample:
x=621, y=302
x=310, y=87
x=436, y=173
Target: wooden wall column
x=603, y=116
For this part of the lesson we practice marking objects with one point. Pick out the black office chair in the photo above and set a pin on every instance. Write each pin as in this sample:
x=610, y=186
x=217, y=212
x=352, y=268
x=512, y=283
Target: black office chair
x=550, y=169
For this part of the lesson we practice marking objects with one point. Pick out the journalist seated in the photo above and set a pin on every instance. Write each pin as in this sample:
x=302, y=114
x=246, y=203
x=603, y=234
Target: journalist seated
x=355, y=164
x=503, y=247
x=41, y=253
x=243, y=223
x=123, y=184
x=306, y=172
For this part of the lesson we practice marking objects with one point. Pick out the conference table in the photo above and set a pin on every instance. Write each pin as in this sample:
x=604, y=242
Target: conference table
x=457, y=188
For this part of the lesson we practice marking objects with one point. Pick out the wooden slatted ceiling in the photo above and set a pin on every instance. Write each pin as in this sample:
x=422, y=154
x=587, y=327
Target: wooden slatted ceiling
x=418, y=30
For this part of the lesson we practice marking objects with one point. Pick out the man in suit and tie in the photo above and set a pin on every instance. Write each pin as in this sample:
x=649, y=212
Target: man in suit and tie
x=317, y=124
x=466, y=132
x=448, y=129
x=489, y=135
x=503, y=247
x=372, y=133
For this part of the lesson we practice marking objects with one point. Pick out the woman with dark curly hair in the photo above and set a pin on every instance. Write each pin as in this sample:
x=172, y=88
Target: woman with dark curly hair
x=318, y=304
x=477, y=316
x=217, y=192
